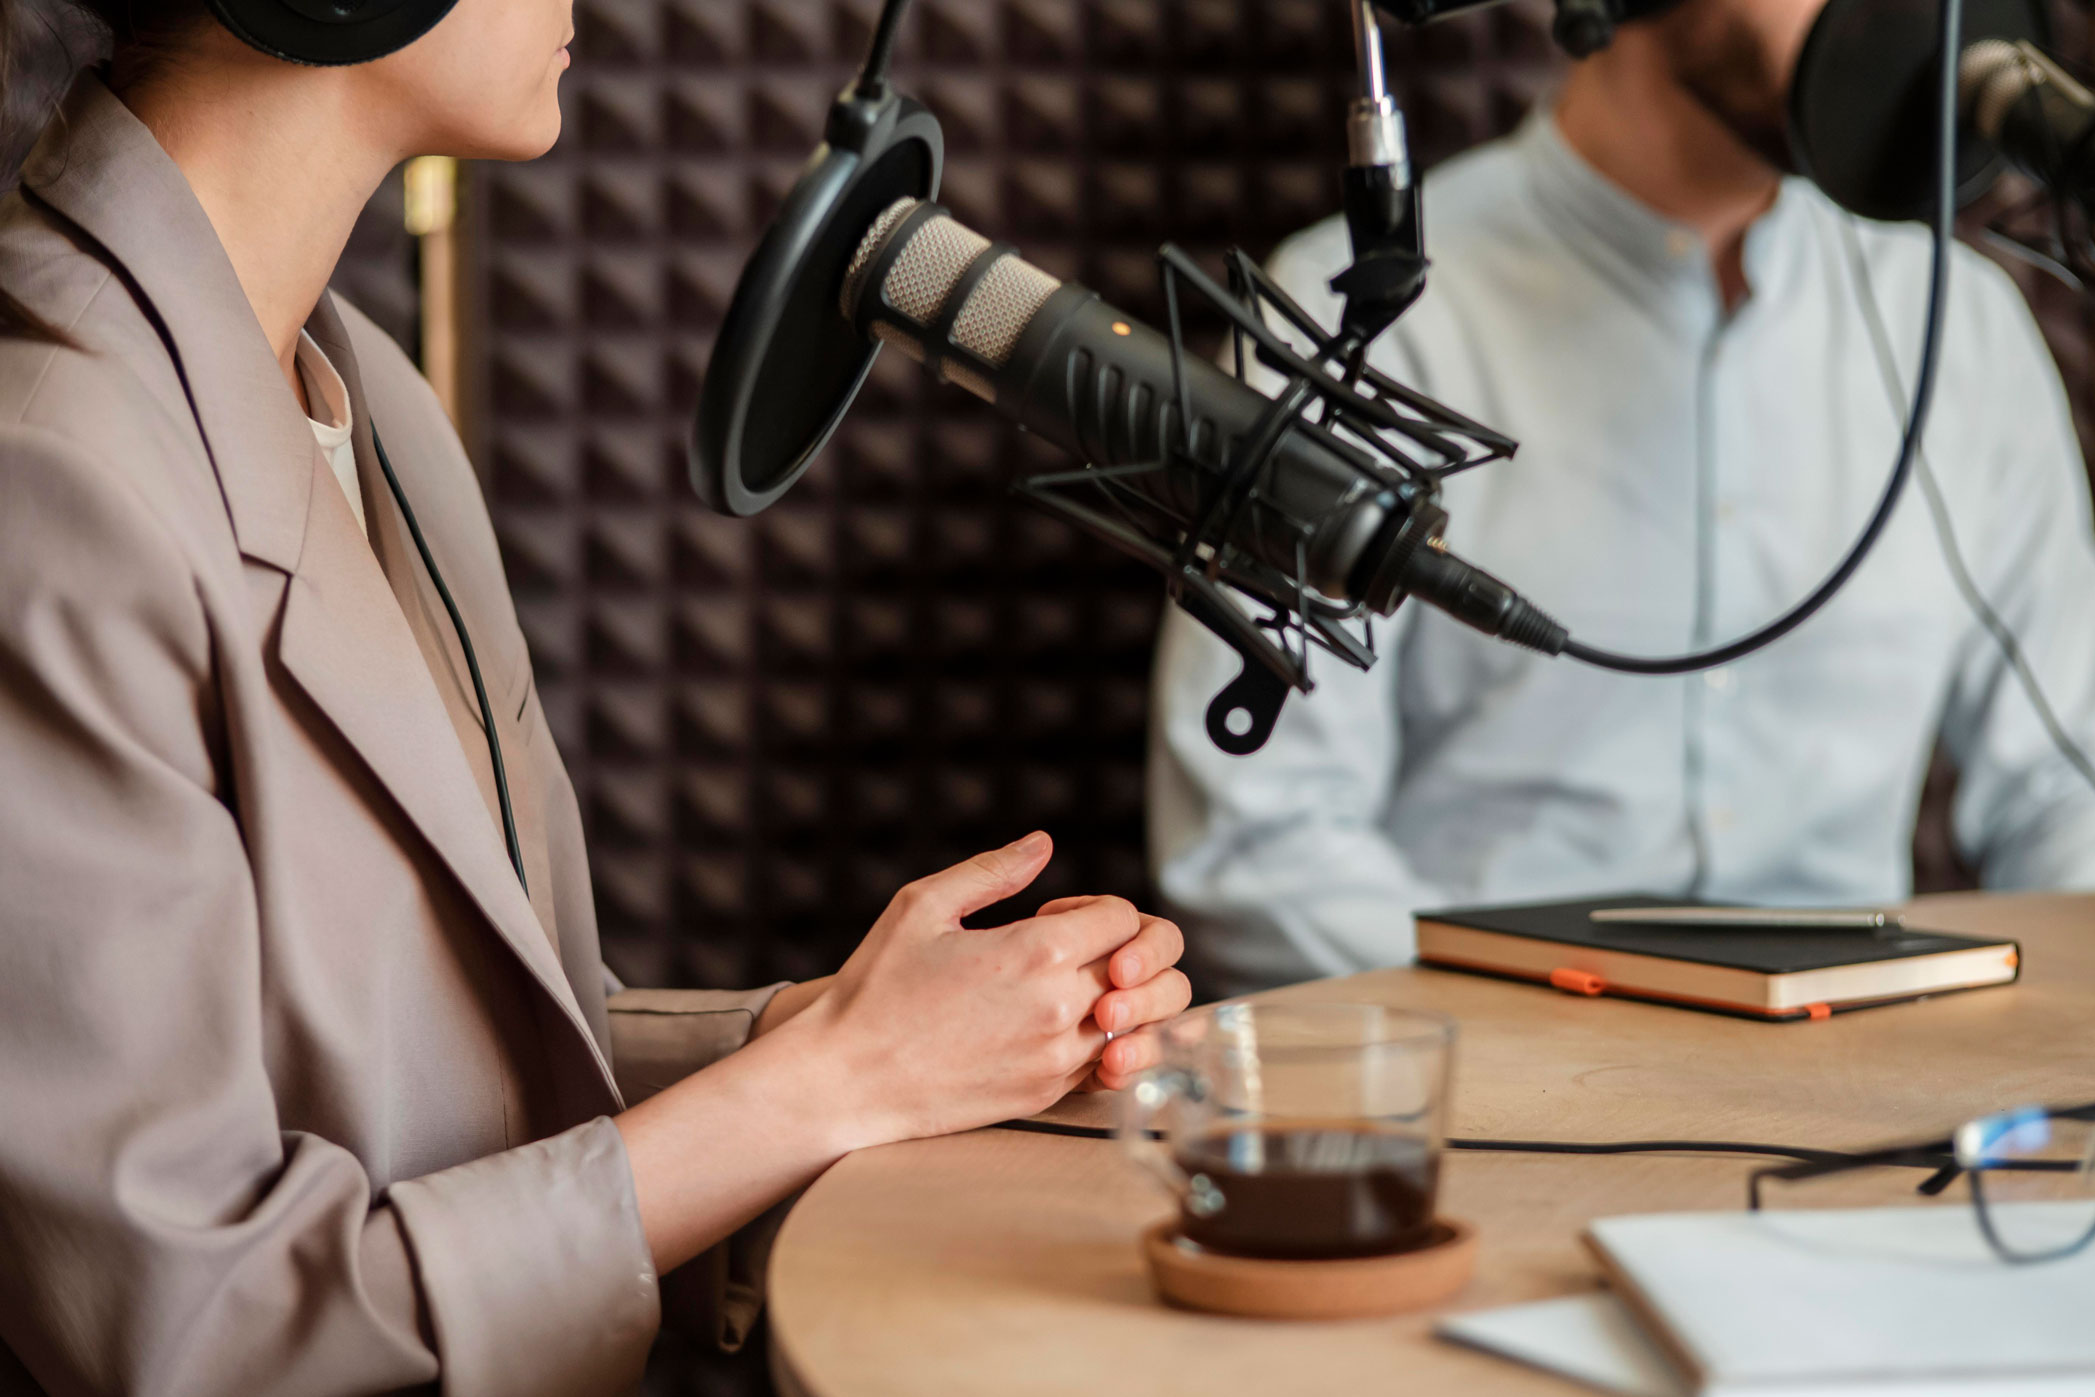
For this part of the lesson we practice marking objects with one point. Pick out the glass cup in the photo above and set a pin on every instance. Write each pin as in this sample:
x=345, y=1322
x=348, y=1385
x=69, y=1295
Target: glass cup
x=1297, y=1131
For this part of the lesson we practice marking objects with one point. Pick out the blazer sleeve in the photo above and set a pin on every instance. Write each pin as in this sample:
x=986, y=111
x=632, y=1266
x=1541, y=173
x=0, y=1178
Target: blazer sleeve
x=161, y=1232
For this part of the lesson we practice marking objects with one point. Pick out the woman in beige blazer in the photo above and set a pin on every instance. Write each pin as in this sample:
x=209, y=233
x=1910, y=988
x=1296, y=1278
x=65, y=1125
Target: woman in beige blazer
x=306, y=1085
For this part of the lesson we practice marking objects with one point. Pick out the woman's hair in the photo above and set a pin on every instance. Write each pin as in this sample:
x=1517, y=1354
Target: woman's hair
x=44, y=45
x=140, y=32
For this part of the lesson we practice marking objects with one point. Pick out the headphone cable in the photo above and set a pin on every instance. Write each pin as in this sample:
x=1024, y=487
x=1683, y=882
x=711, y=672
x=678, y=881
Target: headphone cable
x=465, y=643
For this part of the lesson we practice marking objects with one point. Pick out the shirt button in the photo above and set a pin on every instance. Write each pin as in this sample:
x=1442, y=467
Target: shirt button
x=1721, y=818
x=1726, y=512
x=1718, y=680
x=1681, y=243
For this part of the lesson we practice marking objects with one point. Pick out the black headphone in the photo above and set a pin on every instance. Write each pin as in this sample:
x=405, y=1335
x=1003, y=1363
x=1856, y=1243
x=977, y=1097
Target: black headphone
x=330, y=33
x=1582, y=27
x=1585, y=27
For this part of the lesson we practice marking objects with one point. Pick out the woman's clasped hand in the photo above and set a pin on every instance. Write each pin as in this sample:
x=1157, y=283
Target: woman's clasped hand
x=954, y=1027
x=931, y=1027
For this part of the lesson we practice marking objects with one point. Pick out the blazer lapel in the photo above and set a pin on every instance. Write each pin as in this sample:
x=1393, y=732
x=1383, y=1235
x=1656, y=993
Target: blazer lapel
x=437, y=643
x=346, y=642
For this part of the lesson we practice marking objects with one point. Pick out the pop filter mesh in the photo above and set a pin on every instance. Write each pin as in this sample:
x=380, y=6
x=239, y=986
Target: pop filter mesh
x=788, y=367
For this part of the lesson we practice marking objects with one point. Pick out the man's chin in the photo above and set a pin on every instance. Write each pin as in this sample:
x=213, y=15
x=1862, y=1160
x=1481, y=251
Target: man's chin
x=1760, y=124
x=1720, y=58
x=1770, y=142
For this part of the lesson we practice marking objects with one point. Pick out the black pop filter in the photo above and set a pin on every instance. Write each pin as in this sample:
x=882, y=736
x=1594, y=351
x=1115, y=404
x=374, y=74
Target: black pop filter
x=1862, y=101
x=788, y=364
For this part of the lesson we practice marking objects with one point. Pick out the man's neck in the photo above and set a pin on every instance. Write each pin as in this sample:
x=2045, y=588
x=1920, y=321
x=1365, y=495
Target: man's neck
x=1654, y=141
x=281, y=167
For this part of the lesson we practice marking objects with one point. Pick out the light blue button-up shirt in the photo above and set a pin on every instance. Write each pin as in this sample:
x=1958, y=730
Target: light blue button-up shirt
x=1685, y=476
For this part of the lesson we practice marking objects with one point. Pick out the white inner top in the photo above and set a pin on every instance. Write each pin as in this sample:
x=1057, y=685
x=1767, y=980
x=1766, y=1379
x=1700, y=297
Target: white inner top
x=334, y=425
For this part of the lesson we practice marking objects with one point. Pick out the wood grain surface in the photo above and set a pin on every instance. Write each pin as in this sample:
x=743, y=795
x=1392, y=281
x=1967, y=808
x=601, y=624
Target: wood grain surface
x=1007, y=1263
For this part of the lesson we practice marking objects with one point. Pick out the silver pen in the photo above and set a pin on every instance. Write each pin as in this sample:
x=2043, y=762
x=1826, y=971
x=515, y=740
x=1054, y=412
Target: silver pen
x=1746, y=918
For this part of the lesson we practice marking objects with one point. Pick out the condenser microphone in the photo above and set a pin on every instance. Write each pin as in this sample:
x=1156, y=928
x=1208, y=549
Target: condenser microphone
x=1279, y=523
x=2033, y=112
x=1062, y=363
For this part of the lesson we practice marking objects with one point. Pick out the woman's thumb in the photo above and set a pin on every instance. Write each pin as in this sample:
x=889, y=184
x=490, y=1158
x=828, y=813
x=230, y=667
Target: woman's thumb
x=990, y=877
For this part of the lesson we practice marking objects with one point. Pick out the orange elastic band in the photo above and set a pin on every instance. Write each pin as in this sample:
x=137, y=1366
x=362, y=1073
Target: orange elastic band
x=1577, y=981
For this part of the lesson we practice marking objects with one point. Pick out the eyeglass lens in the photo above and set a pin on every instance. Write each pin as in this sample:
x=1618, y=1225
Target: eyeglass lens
x=2033, y=1178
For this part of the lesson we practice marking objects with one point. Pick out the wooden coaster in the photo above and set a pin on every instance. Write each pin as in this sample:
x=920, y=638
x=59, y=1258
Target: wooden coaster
x=1352, y=1288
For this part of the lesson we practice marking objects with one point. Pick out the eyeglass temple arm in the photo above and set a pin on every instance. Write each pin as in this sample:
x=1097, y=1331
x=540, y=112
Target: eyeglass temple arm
x=1937, y=1155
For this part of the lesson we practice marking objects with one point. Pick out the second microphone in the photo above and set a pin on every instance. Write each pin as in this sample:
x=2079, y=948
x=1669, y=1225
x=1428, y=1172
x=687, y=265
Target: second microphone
x=1058, y=360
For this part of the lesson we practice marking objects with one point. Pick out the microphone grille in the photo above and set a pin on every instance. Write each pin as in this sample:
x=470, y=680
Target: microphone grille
x=1993, y=76
x=930, y=266
x=869, y=248
x=1002, y=307
x=922, y=278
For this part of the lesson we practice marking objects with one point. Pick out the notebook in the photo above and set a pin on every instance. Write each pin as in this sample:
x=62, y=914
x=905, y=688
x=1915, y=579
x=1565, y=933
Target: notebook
x=1790, y=973
x=1875, y=1300
x=1592, y=1339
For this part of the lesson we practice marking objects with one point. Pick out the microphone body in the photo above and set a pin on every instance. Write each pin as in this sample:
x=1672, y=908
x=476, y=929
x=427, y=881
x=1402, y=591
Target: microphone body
x=2035, y=113
x=1066, y=366
x=1058, y=360
x=1100, y=386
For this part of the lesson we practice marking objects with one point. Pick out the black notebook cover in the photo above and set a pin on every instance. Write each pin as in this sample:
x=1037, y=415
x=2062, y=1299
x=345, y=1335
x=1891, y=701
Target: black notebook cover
x=1768, y=950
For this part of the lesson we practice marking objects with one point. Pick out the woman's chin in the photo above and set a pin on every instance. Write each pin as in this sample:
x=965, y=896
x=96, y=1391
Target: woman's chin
x=524, y=141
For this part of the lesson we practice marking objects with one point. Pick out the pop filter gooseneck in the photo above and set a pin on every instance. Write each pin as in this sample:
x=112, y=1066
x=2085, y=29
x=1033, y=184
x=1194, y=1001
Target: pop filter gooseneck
x=787, y=366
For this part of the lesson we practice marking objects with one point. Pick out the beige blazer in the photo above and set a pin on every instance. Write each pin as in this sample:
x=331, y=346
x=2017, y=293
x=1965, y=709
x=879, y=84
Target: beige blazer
x=299, y=1091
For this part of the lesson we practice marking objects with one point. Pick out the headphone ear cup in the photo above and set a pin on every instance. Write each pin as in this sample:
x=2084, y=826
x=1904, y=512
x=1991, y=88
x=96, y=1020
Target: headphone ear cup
x=330, y=33
x=1585, y=27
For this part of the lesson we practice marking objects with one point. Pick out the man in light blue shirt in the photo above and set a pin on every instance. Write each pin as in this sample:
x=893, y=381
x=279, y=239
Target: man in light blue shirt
x=1682, y=340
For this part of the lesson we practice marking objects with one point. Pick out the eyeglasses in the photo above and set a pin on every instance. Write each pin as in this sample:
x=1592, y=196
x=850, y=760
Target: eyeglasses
x=2032, y=1173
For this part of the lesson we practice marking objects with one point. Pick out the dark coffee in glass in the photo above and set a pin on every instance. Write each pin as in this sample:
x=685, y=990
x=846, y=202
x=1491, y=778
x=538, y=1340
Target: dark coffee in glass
x=1309, y=1191
x=1299, y=1131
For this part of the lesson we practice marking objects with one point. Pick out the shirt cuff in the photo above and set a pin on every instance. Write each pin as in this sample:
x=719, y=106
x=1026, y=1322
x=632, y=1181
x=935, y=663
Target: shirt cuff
x=537, y=1276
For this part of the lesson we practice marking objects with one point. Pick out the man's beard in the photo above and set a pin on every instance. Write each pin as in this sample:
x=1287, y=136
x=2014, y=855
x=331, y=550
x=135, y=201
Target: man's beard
x=1727, y=75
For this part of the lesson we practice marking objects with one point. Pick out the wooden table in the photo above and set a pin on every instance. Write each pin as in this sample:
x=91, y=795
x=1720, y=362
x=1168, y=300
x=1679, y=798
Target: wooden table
x=1005, y=1263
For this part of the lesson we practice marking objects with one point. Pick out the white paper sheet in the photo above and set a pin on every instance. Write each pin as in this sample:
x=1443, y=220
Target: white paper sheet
x=1591, y=1339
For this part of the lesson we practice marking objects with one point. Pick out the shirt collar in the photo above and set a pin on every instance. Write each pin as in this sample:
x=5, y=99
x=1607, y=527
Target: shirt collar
x=1652, y=259
x=334, y=421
